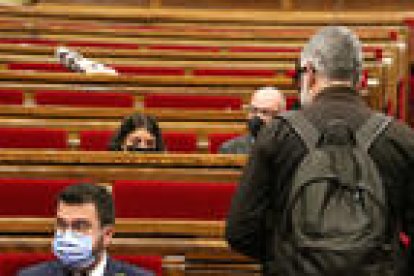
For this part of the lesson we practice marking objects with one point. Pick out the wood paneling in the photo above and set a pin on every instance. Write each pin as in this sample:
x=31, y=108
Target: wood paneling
x=254, y=4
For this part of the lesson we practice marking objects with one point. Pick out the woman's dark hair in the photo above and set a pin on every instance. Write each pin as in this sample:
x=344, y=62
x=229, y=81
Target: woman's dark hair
x=133, y=122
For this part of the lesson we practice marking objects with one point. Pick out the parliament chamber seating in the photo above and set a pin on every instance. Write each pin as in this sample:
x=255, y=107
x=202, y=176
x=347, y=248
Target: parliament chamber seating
x=384, y=73
x=44, y=138
x=158, y=71
x=170, y=200
x=95, y=140
x=180, y=142
x=192, y=102
x=11, y=97
x=91, y=133
x=83, y=99
x=40, y=138
x=168, y=213
x=79, y=42
x=284, y=54
x=108, y=98
x=215, y=140
x=30, y=197
x=193, y=77
x=98, y=140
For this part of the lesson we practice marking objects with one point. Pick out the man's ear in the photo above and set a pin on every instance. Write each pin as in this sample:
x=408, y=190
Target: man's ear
x=108, y=232
x=313, y=85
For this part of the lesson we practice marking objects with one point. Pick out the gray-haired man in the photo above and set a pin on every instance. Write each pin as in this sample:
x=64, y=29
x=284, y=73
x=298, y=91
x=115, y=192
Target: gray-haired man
x=331, y=66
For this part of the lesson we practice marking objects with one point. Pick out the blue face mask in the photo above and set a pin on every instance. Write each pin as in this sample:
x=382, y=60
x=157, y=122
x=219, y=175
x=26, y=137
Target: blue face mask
x=73, y=249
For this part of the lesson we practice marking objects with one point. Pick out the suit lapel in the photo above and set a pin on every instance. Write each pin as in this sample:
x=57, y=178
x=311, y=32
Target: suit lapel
x=110, y=268
x=58, y=269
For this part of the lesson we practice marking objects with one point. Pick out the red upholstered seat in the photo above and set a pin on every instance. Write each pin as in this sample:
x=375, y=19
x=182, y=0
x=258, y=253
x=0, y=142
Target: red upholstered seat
x=190, y=48
x=11, y=97
x=172, y=200
x=389, y=109
x=264, y=49
x=33, y=138
x=364, y=79
x=84, y=98
x=12, y=263
x=292, y=102
x=109, y=45
x=97, y=140
x=264, y=73
x=180, y=142
x=150, y=71
x=192, y=101
x=405, y=240
x=412, y=89
x=279, y=49
x=402, y=101
x=372, y=49
x=215, y=140
x=46, y=67
x=30, y=197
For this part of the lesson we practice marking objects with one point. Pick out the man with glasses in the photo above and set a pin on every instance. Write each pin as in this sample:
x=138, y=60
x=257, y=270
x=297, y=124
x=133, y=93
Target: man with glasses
x=84, y=227
x=261, y=222
x=265, y=104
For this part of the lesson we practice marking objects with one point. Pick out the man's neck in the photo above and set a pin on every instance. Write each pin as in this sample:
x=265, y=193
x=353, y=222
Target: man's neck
x=332, y=84
x=99, y=266
x=99, y=260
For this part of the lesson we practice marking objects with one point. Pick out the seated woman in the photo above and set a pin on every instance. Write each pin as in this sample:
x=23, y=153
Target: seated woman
x=138, y=132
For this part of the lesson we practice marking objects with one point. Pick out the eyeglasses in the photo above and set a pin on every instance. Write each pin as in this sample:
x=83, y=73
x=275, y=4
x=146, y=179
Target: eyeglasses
x=300, y=70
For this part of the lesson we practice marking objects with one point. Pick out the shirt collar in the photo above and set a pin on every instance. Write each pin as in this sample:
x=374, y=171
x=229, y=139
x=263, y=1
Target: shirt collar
x=99, y=269
x=337, y=92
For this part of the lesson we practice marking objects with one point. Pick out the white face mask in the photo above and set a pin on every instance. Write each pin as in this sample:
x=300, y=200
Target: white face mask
x=73, y=249
x=305, y=93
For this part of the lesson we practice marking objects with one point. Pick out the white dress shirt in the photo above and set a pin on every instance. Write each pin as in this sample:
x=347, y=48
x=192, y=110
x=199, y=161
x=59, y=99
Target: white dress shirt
x=99, y=269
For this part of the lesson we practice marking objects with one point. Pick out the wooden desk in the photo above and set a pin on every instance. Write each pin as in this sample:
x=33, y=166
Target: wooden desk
x=106, y=167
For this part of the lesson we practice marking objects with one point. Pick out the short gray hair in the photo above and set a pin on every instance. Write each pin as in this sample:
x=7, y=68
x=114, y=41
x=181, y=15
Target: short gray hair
x=336, y=53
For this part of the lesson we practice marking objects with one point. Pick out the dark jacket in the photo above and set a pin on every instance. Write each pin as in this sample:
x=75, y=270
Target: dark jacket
x=238, y=145
x=255, y=209
x=113, y=268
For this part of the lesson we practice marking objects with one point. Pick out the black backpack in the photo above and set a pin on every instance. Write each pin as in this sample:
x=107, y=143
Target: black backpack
x=336, y=216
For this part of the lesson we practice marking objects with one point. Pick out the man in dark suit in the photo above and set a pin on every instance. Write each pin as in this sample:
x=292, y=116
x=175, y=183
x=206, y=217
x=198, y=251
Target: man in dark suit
x=112, y=268
x=84, y=227
x=266, y=103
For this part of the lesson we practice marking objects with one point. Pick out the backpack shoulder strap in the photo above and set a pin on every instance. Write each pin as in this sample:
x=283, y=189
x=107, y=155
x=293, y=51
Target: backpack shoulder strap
x=371, y=129
x=302, y=126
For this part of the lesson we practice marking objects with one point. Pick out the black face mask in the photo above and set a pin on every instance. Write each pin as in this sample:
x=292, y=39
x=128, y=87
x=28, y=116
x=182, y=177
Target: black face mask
x=138, y=149
x=254, y=125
